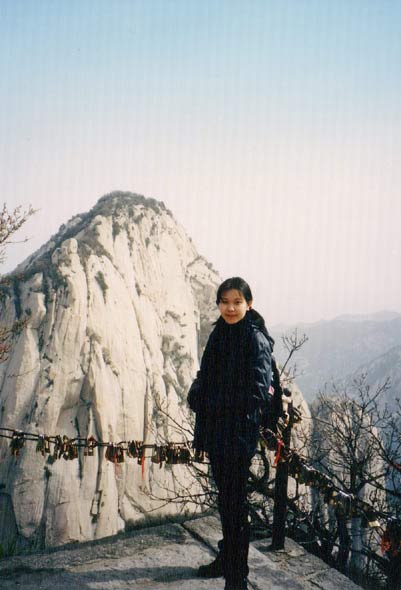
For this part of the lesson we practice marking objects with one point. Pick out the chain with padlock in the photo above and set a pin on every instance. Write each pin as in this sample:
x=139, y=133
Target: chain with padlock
x=185, y=457
x=90, y=445
x=114, y=453
x=134, y=448
x=323, y=482
x=369, y=515
x=17, y=442
x=70, y=449
x=58, y=447
x=120, y=453
x=65, y=445
x=295, y=465
x=43, y=445
x=159, y=455
x=163, y=454
x=141, y=455
x=308, y=476
x=172, y=454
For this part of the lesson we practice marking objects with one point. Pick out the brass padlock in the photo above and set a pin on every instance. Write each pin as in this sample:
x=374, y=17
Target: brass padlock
x=90, y=445
x=58, y=447
x=156, y=455
x=119, y=454
x=17, y=442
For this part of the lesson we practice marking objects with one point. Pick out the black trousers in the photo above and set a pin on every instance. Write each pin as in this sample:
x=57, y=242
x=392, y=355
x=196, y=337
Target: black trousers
x=231, y=477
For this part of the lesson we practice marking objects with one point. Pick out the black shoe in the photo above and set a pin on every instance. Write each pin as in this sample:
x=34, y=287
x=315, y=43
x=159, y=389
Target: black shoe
x=240, y=584
x=212, y=570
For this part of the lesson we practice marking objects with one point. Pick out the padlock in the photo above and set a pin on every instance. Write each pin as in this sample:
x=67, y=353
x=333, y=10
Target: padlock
x=58, y=447
x=17, y=442
x=110, y=452
x=140, y=452
x=324, y=481
x=65, y=447
x=294, y=466
x=370, y=520
x=40, y=445
x=90, y=445
x=119, y=454
x=306, y=475
x=172, y=454
x=163, y=454
x=133, y=448
x=169, y=454
x=156, y=455
x=185, y=456
x=72, y=451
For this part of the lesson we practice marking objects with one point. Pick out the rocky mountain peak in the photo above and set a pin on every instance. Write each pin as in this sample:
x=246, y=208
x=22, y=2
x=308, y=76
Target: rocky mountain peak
x=119, y=304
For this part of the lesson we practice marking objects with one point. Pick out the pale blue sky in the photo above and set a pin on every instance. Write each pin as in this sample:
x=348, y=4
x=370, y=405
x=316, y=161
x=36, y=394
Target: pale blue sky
x=271, y=129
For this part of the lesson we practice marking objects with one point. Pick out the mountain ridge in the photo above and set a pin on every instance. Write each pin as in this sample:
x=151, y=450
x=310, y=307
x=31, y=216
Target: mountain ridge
x=339, y=348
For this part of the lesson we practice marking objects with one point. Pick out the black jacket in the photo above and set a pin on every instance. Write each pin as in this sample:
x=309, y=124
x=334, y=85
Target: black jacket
x=232, y=389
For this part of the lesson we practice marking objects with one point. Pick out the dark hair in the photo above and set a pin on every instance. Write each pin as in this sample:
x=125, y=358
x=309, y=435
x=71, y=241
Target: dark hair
x=234, y=283
x=242, y=286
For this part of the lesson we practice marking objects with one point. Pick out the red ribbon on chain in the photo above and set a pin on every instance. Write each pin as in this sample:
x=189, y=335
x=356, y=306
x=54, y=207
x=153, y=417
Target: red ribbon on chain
x=277, y=458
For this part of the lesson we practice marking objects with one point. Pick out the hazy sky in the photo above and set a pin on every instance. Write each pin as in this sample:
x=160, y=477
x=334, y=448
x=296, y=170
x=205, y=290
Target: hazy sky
x=271, y=129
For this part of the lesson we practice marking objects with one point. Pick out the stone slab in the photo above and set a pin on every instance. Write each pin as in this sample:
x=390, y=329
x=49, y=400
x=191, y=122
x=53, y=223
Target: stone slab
x=165, y=557
x=311, y=572
x=264, y=572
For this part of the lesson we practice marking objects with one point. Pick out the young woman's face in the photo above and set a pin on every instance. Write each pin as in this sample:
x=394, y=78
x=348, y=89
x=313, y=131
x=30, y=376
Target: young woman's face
x=233, y=306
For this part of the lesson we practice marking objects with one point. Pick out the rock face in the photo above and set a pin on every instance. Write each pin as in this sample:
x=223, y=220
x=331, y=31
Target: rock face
x=119, y=304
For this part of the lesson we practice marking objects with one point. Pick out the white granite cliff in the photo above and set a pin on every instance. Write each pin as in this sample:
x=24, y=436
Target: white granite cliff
x=118, y=304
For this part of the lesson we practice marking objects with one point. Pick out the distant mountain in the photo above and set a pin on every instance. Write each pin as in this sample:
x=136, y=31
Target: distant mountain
x=340, y=348
x=379, y=316
x=388, y=365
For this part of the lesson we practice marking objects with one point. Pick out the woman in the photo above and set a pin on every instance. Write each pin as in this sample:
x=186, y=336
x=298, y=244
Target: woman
x=229, y=395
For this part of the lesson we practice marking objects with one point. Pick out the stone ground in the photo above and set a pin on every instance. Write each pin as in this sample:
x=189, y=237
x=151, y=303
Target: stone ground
x=163, y=557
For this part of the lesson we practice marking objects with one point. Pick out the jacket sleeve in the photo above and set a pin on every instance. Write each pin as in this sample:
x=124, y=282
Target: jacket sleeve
x=194, y=393
x=196, y=403
x=262, y=369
